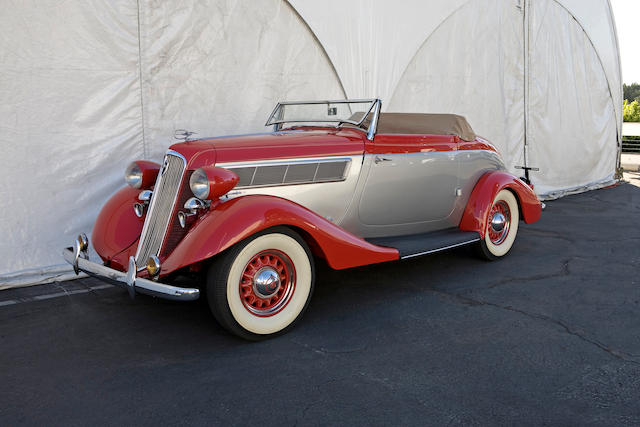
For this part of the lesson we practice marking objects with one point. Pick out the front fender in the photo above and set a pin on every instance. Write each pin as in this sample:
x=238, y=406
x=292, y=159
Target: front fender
x=488, y=186
x=234, y=220
x=117, y=226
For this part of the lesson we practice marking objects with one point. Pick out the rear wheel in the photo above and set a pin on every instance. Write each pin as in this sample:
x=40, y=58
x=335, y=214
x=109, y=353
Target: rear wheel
x=261, y=286
x=502, y=226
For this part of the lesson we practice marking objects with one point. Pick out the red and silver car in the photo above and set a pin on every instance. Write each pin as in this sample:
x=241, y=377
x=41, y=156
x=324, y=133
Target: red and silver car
x=246, y=217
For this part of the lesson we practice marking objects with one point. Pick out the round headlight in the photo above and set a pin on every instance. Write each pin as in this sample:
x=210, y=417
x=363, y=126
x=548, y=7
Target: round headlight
x=199, y=183
x=133, y=175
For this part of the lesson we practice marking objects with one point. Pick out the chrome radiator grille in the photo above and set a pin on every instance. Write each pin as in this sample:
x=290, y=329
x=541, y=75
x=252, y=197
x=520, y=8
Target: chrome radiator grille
x=161, y=207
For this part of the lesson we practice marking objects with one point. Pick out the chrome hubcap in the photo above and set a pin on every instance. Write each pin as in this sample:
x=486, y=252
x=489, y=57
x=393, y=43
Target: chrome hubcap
x=266, y=282
x=498, y=222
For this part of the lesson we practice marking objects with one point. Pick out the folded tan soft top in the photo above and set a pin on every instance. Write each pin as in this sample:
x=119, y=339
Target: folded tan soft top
x=419, y=123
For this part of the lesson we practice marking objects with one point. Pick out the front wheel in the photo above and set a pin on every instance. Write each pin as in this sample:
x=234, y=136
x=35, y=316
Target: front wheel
x=261, y=286
x=502, y=226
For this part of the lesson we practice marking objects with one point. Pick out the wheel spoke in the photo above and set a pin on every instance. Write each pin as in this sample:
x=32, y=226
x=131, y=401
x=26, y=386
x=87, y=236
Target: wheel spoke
x=257, y=301
x=501, y=215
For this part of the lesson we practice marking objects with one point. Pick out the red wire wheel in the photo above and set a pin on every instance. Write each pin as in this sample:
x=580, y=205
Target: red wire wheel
x=267, y=283
x=502, y=226
x=261, y=286
x=499, y=222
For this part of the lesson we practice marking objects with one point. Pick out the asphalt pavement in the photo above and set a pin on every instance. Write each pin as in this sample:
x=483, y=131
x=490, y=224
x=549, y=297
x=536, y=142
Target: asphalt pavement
x=548, y=335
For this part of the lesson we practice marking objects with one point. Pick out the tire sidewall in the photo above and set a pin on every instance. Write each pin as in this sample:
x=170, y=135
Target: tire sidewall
x=225, y=299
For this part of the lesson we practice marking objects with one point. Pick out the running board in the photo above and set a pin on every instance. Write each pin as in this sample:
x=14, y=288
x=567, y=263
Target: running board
x=427, y=243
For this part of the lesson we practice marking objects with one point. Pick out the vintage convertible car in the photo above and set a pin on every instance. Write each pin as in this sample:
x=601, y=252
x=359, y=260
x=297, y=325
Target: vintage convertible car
x=335, y=180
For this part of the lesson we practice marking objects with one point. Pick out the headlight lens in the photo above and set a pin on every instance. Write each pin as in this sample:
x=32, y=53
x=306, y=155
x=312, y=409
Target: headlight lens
x=133, y=175
x=199, y=183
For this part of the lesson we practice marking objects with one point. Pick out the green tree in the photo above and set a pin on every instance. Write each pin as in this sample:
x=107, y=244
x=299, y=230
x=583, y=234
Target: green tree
x=631, y=92
x=631, y=111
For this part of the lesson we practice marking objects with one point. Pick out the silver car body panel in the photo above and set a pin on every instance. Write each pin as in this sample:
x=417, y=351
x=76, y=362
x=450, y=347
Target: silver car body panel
x=329, y=199
x=409, y=188
x=442, y=209
x=407, y=193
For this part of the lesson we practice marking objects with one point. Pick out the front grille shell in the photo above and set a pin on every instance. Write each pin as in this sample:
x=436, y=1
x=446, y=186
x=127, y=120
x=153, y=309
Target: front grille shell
x=175, y=233
x=161, y=207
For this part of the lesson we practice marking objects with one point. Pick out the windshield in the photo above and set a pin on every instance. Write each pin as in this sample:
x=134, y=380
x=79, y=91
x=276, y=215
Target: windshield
x=341, y=111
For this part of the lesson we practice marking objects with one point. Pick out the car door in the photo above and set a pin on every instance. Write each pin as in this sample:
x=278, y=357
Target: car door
x=412, y=179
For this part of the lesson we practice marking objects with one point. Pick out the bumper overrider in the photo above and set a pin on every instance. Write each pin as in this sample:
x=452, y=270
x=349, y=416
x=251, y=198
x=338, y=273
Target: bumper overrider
x=78, y=257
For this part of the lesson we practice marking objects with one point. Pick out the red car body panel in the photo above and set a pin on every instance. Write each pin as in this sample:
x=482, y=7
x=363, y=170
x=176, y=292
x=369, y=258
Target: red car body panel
x=315, y=142
x=221, y=181
x=477, y=144
x=149, y=173
x=397, y=143
x=196, y=153
x=117, y=226
x=230, y=222
x=488, y=186
x=120, y=261
x=287, y=144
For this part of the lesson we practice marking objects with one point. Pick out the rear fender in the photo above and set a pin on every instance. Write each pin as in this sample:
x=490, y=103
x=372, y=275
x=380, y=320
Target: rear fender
x=230, y=222
x=476, y=213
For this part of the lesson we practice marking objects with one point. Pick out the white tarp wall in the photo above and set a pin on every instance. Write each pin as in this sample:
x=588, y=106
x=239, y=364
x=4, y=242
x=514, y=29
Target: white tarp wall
x=88, y=86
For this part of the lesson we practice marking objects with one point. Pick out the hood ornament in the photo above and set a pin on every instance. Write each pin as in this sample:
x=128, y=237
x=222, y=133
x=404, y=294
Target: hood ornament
x=183, y=134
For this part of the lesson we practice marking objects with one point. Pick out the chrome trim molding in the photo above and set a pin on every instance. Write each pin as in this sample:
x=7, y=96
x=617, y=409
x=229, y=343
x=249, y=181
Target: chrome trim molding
x=379, y=159
x=138, y=209
x=477, y=239
x=193, y=205
x=145, y=195
x=330, y=101
x=148, y=243
x=289, y=163
x=373, y=126
x=272, y=121
x=130, y=277
x=376, y=107
x=129, y=281
x=79, y=252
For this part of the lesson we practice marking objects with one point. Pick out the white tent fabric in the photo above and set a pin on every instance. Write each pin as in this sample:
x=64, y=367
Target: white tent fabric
x=473, y=65
x=556, y=59
x=88, y=86
x=571, y=110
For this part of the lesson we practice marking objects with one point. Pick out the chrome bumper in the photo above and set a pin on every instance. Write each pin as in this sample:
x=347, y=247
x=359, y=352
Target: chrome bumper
x=80, y=262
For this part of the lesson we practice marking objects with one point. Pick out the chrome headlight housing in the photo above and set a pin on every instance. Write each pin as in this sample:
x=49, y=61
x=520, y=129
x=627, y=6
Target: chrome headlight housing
x=199, y=183
x=133, y=175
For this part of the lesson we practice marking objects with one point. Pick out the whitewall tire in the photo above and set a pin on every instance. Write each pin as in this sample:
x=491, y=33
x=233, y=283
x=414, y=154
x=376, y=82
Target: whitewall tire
x=261, y=286
x=502, y=226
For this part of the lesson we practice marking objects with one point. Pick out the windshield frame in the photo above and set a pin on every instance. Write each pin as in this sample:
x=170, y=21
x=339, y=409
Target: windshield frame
x=375, y=107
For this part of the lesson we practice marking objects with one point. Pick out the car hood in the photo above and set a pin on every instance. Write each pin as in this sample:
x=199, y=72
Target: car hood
x=287, y=144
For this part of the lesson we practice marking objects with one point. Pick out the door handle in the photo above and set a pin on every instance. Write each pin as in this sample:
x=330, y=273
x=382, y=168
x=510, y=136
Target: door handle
x=379, y=159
